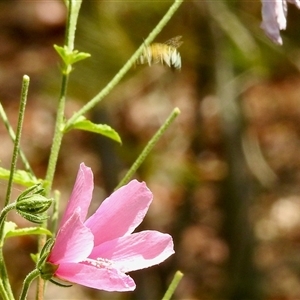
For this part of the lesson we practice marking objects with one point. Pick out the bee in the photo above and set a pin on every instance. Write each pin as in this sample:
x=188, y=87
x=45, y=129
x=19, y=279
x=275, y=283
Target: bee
x=162, y=53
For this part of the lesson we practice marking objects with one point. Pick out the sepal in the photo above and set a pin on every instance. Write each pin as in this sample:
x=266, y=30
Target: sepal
x=46, y=269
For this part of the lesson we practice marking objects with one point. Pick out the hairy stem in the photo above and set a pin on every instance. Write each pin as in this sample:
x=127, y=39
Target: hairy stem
x=24, y=92
x=26, y=284
x=129, y=64
x=3, y=272
x=149, y=147
x=13, y=137
x=73, y=11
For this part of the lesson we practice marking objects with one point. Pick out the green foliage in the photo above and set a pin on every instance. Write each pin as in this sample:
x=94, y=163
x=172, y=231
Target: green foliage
x=20, y=177
x=70, y=57
x=10, y=230
x=86, y=125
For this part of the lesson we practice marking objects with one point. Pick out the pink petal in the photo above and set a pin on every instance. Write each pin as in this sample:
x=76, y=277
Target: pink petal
x=81, y=195
x=136, y=251
x=120, y=213
x=74, y=241
x=274, y=18
x=108, y=279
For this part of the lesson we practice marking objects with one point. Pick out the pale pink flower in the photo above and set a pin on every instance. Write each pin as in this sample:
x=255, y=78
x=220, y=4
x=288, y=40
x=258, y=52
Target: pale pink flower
x=274, y=17
x=99, y=251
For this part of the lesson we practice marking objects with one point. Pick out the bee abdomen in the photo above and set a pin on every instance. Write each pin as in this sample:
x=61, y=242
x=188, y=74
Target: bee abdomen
x=159, y=53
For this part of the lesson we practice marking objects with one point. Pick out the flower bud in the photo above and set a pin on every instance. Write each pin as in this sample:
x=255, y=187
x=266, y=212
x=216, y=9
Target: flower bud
x=33, y=218
x=30, y=208
x=31, y=203
x=34, y=204
x=36, y=189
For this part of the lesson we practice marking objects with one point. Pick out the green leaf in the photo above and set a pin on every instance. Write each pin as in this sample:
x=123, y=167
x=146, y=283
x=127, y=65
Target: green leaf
x=9, y=226
x=21, y=177
x=34, y=257
x=70, y=57
x=78, y=56
x=62, y=52
x=26, y=231
x=103, y=129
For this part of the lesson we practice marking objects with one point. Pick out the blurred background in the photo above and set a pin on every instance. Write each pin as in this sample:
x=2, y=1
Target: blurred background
x=226, y=174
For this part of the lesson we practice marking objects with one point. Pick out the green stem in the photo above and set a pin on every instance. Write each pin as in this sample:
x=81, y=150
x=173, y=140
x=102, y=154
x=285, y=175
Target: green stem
x=25, y=86
x=171, y=289
x=58, y=135
x=5, y=288
x=129, y=64
x=26, y=284
x=3, y=291
x=13, y=137
x=7, y=291
x=3, y=271
x=54, y=218
x=149, y=147
x=73, y=11
x=57, y=139
x=3, y=214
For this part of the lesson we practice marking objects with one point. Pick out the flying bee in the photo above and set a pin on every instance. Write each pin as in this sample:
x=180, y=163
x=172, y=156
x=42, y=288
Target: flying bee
x=162, y=53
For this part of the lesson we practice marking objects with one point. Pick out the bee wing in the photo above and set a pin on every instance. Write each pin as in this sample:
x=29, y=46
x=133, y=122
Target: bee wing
x=174, y=42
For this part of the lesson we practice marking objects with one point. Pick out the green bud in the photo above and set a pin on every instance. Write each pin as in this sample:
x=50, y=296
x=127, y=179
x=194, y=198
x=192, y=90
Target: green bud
x=32, y=208
x=33, y=204
x=33, y=218
x=36, y=189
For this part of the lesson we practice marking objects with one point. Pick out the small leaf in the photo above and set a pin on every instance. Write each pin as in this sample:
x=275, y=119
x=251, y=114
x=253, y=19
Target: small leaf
x=61, y=52
x=78, y=56
x=27, y=231
x=9, y=226
x=34, y=257
x=103, y=129
x=70, y=57
x=21, y=177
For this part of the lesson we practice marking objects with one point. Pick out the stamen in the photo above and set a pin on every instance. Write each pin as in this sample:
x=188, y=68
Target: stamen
x=99, y=263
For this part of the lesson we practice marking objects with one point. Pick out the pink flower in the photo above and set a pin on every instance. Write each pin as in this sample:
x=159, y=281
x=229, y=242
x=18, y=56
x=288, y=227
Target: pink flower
x=97, y=252
x=274, y=17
